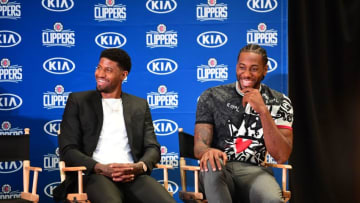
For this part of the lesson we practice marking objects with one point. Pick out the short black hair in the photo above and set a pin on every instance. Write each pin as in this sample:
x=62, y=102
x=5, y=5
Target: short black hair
x=118, y=55
x=255, y=49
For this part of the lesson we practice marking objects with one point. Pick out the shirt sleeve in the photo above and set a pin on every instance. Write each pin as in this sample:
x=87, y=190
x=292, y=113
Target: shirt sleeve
x=285, y=114
x=205, y=107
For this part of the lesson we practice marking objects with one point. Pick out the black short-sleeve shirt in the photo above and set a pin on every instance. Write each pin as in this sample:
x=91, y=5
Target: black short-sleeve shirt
x=238, y=130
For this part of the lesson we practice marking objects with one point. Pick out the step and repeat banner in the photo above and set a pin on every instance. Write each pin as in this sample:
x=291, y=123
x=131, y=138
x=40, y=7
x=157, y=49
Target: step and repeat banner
x=50, y=48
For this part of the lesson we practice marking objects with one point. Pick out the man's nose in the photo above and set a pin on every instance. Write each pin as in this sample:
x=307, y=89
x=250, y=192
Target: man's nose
x=246, y=73
x=100, y=72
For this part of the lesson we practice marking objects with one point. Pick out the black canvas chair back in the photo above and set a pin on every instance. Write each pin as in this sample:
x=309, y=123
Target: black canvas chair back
x=17, y=148
x=186, y=145
x=14, y=147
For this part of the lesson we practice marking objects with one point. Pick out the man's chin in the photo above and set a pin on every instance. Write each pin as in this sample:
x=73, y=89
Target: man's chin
x=101, y=89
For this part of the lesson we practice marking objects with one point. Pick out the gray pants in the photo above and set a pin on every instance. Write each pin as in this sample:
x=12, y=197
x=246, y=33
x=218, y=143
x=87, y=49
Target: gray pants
x=240, y=182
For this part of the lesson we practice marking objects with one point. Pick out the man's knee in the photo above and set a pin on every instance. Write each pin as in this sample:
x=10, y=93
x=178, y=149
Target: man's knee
x=213, y=176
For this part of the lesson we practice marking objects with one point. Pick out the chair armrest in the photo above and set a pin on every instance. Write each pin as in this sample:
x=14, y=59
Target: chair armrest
x=190, y=168
x=286, y=166
x=31, y=168
x=164, y=166
x=76, y=168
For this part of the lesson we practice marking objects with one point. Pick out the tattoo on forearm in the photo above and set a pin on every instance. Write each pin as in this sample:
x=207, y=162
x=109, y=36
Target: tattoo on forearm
x=204, y=134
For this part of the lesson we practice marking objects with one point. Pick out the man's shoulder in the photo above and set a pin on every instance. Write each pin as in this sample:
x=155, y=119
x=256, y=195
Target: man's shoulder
x=85, y=94
x=272, y=93
x=130, y=97
x=221, y=88
x=218, y=93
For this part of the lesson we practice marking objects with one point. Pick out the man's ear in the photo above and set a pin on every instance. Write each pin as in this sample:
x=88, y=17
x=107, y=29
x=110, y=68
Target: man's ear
x=265, y=69
x=125, y=74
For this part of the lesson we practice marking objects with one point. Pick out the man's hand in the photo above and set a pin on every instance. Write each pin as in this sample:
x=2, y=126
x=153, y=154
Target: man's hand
x=253, y=97
x=213, y=156
x=117, y=172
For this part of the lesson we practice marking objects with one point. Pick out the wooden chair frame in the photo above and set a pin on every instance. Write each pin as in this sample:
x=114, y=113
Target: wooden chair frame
x=24, y=151
x=76, y=197
x=199, y=197
x=165, y=175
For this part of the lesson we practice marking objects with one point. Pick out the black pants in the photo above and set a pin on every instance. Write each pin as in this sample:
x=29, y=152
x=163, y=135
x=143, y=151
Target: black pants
x=144, y=188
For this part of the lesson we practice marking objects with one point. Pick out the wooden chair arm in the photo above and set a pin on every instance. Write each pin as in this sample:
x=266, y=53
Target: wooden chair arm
x=31, y=168
x=190, y=168
x=164, y=166
x=76, y=168
x=286, y=166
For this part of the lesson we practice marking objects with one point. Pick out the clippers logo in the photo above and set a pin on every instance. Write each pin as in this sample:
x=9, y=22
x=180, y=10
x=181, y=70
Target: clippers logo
x=7, y=130
x=7, y=193
x=211, y=11
x=172, y=186
x=161, y=38
x=163, y=99
x=162, y=66
x=10, y=166
x=9, y=102
x=48, y=189
x=262, y=6
x=56, y=99
x=59, y=65
x=10, y=10
x=211, y=39
x=272, y=65
x=161, y=6
x=110, y=40
x=164, y=127
x=58, y=36
x=110, y=12
x=9, y=38
x=10, y=73
x=51, y=161
x=167, y=158
x=262, y=36
x=212, y=71
x=52, y=127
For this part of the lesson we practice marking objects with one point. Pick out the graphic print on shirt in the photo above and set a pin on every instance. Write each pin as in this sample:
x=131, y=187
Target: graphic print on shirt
x=246, y=143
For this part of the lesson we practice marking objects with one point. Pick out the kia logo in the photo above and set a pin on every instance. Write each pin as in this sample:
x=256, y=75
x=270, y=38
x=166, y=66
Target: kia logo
x=58, y=5
x=172, y=186
x=110, y=40
x=52, y=127
x=164, y=127
x=162, y=66
x=10, y=166
x=262, y=6
x=272, y=65
x=161, y=6
x=48, y=189
x=211, y=39
x=9, y=38
x=59, y=65
x=9, y=102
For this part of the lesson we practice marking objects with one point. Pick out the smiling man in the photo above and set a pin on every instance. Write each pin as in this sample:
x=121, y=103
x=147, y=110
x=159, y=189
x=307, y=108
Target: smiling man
x=236, y=124
x=112, y=134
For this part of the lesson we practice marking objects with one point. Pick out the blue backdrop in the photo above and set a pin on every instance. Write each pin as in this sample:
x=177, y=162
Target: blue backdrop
x=50, y=48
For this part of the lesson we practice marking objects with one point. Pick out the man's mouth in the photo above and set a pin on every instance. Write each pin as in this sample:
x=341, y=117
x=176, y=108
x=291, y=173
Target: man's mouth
x=100, y=81
x=246, y=82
